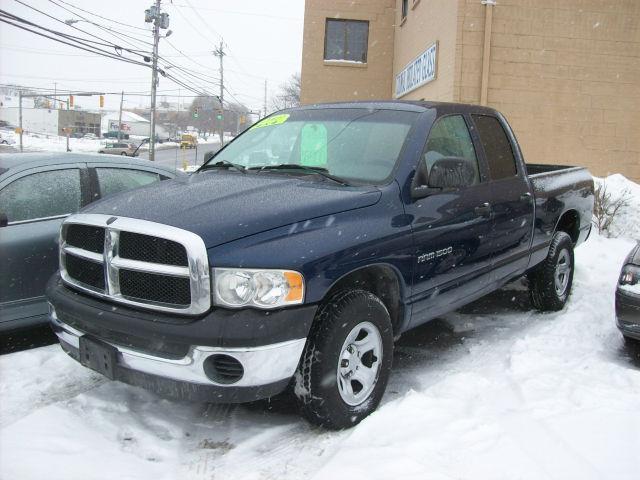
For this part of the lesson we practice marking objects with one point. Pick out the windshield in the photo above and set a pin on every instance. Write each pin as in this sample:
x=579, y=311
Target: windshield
x=360, y=145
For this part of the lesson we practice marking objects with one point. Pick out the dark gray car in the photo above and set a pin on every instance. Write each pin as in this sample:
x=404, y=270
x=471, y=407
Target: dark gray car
x=37, y=191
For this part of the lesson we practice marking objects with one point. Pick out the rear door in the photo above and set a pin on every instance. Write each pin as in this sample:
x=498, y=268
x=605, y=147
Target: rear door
x=36, y=202
x=451, y=230
x=511, y=199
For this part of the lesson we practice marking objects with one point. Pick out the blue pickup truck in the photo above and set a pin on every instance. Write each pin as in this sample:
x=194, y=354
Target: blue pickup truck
x=295, y=256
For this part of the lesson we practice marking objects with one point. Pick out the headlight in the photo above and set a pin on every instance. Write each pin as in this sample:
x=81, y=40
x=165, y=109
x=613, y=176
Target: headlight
x=239, y=287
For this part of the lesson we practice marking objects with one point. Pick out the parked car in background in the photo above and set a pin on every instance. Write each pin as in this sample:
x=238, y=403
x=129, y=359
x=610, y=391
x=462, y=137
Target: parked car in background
x=628, y=297
x=123, y=136
x=124, y=149
x=77, y=135
x=4, y=140
x=158, y=139
x=90, y=135
x=37, y=191
x=298, y=253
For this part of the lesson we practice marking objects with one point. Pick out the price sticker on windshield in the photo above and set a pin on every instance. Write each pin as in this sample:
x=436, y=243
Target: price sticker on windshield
x=271, y=121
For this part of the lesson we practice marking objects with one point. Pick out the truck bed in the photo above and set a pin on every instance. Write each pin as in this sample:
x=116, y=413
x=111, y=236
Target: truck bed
x=540, y=168
x=563, y=192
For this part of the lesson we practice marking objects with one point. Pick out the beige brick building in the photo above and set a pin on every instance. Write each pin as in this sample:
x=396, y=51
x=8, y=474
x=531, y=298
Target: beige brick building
x=566, y=73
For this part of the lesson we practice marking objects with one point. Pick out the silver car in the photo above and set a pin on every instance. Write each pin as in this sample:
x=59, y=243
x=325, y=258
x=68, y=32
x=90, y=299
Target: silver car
x=125, y=149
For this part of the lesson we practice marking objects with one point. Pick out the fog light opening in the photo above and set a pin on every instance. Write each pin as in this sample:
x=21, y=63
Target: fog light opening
x=223, y=369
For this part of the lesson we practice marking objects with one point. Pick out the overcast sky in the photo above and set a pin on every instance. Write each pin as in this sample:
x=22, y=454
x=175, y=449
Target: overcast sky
x=263, y=40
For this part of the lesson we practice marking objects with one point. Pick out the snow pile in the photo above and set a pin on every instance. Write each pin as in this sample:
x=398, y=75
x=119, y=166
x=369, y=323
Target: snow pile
x=627, y=221
x=56, y=143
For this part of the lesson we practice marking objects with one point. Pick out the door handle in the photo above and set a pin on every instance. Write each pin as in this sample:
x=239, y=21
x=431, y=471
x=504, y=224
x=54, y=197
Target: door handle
x=483, y=210
x=525, y=197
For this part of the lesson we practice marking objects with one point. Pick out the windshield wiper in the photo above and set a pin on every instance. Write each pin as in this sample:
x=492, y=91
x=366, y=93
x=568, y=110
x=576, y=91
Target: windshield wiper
x=311, y=170
x=224, y=164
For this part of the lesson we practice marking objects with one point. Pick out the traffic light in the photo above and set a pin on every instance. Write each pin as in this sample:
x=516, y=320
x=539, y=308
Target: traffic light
x=195, y=113
x=220, y=115
x=101, y=101
x=70, y=101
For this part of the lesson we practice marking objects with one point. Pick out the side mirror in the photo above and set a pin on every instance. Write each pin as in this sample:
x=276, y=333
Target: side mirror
x=208, y=156
x=4, y=221
x=447, y=173
x=451, y=173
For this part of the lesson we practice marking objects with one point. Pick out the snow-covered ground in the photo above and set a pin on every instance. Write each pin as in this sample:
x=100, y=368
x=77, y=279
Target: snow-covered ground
x=54, y=143
x=494, y=391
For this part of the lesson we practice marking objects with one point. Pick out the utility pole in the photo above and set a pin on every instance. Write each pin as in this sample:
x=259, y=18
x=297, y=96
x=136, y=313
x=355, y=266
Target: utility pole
x=265, y=97
x=55, y=95
x=120, y=118
x=68, y=128
x=219, y=52
x=154, y=80
x=20, y=116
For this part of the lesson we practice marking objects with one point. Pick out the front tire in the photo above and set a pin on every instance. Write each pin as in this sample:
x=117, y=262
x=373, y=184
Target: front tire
x=550, y=282
x=345, y=366
x=123, y=154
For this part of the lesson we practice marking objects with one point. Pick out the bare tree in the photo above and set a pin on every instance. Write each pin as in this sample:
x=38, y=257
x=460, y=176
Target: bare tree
x=288, y=94
x=607, y=207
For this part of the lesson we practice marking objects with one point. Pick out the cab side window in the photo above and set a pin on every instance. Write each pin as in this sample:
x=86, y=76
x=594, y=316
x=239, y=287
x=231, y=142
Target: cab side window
x=497, y=147
x=450, y=150
x=42, y=195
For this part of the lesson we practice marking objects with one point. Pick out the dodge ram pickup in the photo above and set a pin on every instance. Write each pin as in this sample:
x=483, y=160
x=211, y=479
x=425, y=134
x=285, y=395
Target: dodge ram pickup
x=296, y=255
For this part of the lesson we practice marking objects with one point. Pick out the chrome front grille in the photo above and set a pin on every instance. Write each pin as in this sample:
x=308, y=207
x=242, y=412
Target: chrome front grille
x=136, y=262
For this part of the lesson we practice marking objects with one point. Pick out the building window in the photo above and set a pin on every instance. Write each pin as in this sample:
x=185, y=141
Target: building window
x=405, y=8
x=346, y=40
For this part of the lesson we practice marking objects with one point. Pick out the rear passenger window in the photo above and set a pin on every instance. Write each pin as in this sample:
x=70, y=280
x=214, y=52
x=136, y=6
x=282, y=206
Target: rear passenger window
x=497, y=147
x=450, y=142
x=114, y=180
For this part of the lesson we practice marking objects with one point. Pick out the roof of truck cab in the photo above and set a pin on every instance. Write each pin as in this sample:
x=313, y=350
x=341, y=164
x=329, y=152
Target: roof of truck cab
x=405, y=105
x=23, y=161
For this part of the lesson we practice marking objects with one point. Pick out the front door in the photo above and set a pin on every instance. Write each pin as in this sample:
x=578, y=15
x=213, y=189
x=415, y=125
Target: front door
x=451, y=230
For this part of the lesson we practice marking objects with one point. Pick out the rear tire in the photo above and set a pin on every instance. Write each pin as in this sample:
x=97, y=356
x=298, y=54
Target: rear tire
x=550, y=282
x=345, y=365
x=124, y=154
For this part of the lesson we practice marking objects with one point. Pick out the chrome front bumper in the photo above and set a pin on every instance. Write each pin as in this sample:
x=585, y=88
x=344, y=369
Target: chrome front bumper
x=262, y=365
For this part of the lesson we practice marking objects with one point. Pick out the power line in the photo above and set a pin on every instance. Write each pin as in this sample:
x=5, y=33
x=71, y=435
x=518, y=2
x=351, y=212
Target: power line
x=95, y=50
x=79, y=45
x=111, y=31
x=104, y=18
x=102, y=42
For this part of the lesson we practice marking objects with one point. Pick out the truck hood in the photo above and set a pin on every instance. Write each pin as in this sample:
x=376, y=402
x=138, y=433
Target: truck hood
x=221, y=206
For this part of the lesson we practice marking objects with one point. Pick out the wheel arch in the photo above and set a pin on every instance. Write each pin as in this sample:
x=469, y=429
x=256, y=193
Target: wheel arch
x=384, y=281
x=569, y=222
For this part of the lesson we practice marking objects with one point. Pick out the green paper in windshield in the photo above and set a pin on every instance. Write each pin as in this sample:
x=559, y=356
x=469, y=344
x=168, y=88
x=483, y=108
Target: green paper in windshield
x=271, y=121
x=313, y=145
